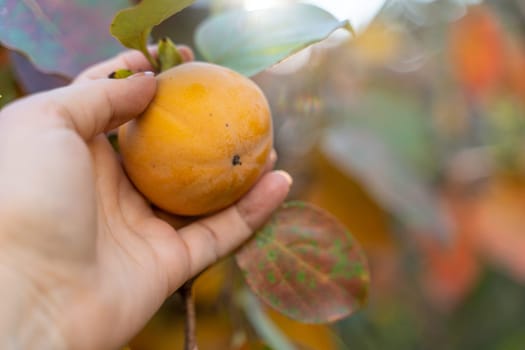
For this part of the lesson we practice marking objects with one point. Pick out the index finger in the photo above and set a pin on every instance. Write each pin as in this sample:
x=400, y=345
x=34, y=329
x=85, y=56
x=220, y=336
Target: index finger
x=132, y=59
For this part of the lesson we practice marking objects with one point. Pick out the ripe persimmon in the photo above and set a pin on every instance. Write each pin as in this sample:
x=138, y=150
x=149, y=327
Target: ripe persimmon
x=202, y=142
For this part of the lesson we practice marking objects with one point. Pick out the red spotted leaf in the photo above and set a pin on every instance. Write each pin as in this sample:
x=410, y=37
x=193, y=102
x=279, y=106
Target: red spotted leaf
x=306, y=265
x=61, y=37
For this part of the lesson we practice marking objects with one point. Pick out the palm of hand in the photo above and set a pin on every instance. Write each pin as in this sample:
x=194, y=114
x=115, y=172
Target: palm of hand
x=96, y=241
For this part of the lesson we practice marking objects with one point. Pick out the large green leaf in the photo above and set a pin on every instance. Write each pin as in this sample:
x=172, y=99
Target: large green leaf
x=251, y=41
x=133, y=26
x=306, y=265
x=60, y=37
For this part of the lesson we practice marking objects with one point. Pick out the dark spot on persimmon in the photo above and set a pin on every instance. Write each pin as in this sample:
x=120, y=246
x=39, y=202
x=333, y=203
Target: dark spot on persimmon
x=236, y=160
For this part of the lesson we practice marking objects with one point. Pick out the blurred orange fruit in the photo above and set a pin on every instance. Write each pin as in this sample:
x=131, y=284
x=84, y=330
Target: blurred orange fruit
x=476, y=45
x=305, y=336
x=500, y=225
x=213, y=282
x=451, y=268
x=213, y=332
x=344, y=197
x=379, y=44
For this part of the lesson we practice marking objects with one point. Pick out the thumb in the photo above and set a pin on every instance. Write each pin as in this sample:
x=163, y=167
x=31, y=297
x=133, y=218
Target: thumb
x=95, y=106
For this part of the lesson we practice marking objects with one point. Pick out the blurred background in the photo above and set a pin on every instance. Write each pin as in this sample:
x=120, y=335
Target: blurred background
x=412, y=132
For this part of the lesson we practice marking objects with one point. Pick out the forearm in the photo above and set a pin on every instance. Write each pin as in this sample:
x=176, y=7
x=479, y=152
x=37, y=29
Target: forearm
x=24, y=321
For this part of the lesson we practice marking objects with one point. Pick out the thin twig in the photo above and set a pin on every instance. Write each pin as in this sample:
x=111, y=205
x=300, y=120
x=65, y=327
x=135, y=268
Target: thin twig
x=186, y=292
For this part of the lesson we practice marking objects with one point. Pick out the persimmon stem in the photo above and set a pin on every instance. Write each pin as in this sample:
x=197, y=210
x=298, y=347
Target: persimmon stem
x=151, y=60
x=168, y=54
x=190, y=338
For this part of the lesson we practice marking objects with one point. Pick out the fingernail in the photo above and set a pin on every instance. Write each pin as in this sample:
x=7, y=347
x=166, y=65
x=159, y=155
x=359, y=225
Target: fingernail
x=141, y=74
x=273, y=156
x=286, y=176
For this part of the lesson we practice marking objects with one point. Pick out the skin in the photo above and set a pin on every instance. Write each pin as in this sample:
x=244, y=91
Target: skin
x=86, y=261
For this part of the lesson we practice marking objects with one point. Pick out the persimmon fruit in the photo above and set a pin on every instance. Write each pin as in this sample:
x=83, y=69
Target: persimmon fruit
x=203, y=141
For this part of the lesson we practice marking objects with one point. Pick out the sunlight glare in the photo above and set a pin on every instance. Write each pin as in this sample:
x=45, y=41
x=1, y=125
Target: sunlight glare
x=360, y=13
x=251, y=5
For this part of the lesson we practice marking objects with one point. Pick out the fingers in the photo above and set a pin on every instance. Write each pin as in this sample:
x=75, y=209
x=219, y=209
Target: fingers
x=212, y=238
x=270, y=164
x=133, y=60
x=90, y=107
x=174, y=221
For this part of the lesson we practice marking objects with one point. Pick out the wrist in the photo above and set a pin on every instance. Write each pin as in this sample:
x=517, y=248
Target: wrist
x=25, y=318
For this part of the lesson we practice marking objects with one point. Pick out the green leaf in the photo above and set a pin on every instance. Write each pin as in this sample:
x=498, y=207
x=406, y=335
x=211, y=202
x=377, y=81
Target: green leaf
x=61, y=37
x=306, y=265
x=133, y=26
x=251, y=41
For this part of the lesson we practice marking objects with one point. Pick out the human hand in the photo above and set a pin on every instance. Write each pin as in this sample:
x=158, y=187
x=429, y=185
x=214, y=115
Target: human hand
x=84, y=262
